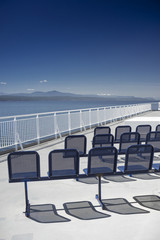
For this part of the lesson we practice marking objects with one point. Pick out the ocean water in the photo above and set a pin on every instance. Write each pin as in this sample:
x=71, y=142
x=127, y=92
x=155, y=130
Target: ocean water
x=12, y=108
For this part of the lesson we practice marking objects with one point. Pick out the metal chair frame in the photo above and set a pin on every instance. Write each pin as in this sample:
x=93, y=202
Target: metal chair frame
x=116, y=139
x=76, y=137
x=132, y=142
x=102, y=128
x=106, y=136
x=143, y=126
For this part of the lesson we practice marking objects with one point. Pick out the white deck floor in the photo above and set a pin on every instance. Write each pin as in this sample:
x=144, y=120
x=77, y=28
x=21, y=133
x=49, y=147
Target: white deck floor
x=15, y=226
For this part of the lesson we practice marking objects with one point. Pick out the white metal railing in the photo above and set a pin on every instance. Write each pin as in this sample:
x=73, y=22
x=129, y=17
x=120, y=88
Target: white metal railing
x=21, y=129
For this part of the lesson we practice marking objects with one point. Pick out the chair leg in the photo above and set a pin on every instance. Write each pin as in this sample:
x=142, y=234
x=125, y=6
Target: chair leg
x=27, y=212
x=99, y=196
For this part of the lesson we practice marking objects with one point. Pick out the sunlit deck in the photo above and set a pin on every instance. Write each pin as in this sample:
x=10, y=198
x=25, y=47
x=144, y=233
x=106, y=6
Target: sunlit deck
x=15, y=226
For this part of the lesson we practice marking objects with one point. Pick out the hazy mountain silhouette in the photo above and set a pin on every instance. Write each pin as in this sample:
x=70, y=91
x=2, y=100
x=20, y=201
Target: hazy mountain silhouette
x=56, y=95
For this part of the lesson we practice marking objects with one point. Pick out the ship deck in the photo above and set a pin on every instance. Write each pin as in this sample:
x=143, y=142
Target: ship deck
x=14, y=225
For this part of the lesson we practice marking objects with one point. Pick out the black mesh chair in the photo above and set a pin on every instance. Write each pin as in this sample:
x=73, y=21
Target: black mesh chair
x=78, y=142
x=63, y=163
x=158, y=128
x=119, y=130
x=23, y=166
x=103, y=140
x=153, y=138
x=102, y=160
x=143, y=130
x=102, y=130
x=127, y=140
x=139, y=158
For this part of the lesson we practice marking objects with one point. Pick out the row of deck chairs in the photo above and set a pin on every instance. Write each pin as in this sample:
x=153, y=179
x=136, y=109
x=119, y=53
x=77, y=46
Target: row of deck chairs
x=25, y=165
x=79, y=142
x=143, y=130
x=64, y=164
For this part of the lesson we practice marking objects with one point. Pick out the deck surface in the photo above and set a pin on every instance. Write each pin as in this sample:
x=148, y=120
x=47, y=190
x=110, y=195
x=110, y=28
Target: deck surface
x=49, y=200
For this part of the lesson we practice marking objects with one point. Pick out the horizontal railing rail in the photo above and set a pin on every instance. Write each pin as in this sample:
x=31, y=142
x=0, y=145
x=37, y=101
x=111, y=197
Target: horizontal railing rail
x=20, y=129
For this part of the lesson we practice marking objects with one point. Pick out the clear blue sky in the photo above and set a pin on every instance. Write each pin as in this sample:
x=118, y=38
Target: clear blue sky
x=80, y=46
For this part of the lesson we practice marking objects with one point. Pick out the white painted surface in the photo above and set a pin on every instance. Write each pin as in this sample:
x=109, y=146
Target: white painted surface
x=134, y=122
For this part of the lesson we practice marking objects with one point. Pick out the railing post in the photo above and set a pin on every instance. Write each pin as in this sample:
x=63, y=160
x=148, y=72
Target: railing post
x=37, y=128
x=90, y=123
x=98, y=116
x=69, y=122
x=80, y=120
x=55, y=126
x=15, y=133
x=104, y=114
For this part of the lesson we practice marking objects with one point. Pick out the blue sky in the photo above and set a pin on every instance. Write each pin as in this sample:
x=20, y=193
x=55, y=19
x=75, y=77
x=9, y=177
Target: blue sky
x=80, y=46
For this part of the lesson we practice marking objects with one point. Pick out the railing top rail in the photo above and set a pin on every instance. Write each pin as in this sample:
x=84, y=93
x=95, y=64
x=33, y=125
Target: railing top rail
x=73, y=110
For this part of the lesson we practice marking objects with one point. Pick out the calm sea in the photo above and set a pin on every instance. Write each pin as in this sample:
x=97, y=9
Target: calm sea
x=11, y=108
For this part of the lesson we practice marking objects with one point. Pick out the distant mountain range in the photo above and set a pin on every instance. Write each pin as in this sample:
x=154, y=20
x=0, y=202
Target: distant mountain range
x=52, y=95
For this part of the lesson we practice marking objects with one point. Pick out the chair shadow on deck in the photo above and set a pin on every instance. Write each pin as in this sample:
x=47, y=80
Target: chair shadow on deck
x=121, y=206
x=142, y=176
x=145, y=176
x=91, y=180
x=118, y=178
x=46, y=213
x=83, y=210
x=148, y=201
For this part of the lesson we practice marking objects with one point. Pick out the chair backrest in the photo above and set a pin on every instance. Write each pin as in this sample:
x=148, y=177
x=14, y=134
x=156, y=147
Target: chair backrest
x=143, y=130
x=103, y=140
x=158, y=128
x=102, y=130
x=63, y=162
x=128, y=139
x=153, y=138
x=102, y=160
x=23, y=165
x=119, y=130
x=139, y=158
x=78, y=142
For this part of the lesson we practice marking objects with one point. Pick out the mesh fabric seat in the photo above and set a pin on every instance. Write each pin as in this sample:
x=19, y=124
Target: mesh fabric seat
x=139, y=158
x=102, y=130
x=119, y=130
x=78, y=142
x=143, y=130
x=63, y=162
x=153, y=138
x=23, y=165
x=128, y=139
x=103, y=140
x=102, y=160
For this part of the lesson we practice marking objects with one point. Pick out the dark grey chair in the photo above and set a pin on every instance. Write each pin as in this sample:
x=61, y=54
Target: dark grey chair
x=119, y=130
x=63, y=163
x=102, y=160
x=139, y=159
x=102, y=130
x=78, y=142
x=153, y=138
x=127, y=140
x=143, y=130
x=23, y=165
x=103, y=140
